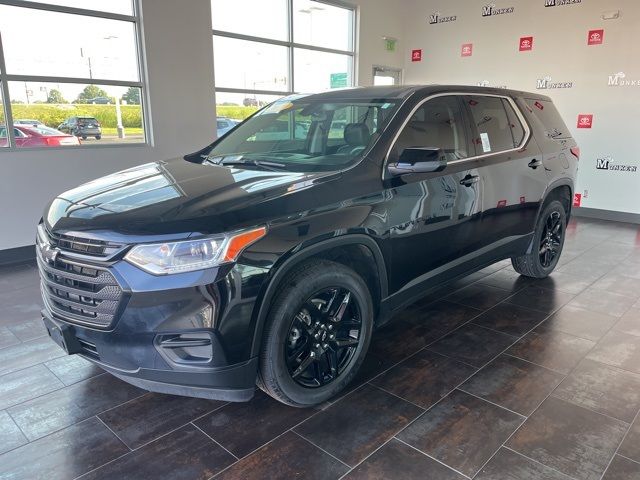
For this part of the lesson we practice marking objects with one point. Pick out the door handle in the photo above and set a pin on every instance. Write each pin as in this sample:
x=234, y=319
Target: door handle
x=469, y=180
x=535, y=163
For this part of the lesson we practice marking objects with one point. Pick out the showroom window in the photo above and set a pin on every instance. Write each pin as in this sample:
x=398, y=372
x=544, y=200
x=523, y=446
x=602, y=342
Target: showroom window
x=70, y=73
x=272, y=48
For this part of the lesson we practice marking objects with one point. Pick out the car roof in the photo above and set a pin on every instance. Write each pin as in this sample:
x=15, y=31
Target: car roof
x=402, y=92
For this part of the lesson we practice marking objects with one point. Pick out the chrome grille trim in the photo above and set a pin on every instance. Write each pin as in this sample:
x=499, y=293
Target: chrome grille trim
x=81, y=246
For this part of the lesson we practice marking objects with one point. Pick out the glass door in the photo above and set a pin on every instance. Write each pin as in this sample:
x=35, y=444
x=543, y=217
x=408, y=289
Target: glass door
x=386, y=76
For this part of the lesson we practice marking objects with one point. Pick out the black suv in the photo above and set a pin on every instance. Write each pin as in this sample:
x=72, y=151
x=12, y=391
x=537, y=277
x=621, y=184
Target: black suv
x=83, y=127
x=272, y=259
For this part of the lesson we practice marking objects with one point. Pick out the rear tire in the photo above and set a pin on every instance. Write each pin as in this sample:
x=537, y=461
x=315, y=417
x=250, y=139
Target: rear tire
x=332, y=342
x=548, y=241
x=98, y=137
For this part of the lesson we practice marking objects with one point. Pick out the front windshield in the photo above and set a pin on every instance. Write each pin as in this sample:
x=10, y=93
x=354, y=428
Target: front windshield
x=302, y=135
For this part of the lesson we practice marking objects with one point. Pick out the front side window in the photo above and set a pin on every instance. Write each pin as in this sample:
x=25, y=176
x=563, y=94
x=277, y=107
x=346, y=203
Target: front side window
x=438, y=123
x=298, y=135
x=90, y=69
x=491, y=122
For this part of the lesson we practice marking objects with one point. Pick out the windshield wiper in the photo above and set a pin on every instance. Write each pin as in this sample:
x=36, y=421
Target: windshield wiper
x=253, y=163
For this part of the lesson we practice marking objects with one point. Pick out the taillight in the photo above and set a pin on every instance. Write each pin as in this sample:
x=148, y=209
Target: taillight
x=576, y=152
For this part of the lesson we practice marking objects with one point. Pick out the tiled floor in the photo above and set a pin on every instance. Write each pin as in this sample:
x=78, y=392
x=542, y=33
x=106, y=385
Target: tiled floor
x=495, y=377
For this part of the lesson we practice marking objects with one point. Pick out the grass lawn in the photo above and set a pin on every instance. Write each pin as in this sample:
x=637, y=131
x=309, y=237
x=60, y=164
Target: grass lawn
x=127, y=131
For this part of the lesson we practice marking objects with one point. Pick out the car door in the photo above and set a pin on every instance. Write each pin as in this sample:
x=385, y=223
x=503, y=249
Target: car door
x=433, y=217
x=513, y=176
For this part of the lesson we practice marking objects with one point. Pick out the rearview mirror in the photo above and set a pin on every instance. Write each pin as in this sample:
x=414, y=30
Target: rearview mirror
x=419, y=160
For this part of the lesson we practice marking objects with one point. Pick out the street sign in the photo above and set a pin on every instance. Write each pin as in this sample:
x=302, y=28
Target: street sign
x=338, y=80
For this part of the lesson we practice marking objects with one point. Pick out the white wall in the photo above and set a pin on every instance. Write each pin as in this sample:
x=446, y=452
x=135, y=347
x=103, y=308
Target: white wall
x=377, y=19
x=178, y=46
x=560, y=50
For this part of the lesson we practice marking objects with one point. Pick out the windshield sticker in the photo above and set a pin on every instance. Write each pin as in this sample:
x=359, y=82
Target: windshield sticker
x=278, y=107
x=486, y=144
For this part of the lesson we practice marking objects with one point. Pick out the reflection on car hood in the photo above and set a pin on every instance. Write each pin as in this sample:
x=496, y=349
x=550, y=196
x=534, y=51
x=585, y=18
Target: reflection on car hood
x=178, y=196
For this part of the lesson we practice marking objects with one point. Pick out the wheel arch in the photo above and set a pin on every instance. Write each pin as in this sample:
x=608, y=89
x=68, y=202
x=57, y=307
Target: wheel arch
x=374, y=273
x=562, y=190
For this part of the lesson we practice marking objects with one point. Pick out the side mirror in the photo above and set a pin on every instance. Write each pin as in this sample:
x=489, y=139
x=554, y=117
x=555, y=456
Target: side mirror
x=419, y=160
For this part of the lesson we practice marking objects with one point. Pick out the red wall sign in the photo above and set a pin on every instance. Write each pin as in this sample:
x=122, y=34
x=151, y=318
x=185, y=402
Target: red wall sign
x=526, y=44
x=577, y=199
x=585, y=120
x=416, y=55
x=595, y=37
x=467, y=50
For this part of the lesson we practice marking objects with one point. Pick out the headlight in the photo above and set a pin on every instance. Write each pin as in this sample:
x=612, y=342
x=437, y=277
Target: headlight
x=189, y=255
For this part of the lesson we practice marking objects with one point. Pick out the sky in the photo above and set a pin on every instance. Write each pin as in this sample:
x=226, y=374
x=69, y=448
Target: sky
x=38, y=42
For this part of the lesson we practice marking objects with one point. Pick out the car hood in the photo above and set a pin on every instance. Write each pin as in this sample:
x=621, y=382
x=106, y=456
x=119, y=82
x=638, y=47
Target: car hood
x=180, y=197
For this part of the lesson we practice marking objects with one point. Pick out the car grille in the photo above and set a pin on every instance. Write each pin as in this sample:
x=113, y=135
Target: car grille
x=80, y=245
x=77, y=292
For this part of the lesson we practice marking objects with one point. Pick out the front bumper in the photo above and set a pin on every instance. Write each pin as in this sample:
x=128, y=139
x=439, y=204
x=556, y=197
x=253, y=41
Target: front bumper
x=158, y=339
x=235, y=383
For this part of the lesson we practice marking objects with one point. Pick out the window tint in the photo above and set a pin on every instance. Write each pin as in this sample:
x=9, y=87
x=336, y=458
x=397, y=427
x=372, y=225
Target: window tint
x=491, y=122
x=551, y=120
x=517, y=130
x=438, y=123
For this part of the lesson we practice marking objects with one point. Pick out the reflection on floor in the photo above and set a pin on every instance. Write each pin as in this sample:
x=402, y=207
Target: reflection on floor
x=494, y=377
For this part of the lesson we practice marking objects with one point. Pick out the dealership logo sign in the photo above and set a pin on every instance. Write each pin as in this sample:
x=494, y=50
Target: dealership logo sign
x=436, y=18
x=607, y=163
x=595, y=37
x=467, y=50
x=526, y=44
x=546, y=83
x=620, y=80
x=487, y=83
x=491, y=10
x=560, y=3
x=585, y=120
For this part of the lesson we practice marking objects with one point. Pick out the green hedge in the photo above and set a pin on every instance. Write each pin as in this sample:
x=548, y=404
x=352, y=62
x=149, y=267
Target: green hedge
x=54, y=115
x=235, y=111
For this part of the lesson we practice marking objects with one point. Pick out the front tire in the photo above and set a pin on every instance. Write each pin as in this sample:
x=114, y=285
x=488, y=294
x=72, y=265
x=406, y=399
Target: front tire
x=316, y=335
x=548, y=241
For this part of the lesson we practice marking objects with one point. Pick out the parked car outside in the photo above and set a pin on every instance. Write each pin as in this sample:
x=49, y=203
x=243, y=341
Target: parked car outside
x=41, y=136
x=28, y=121
x=272, y=261
x=100, y=101
x=83, y=127
x=225, y=124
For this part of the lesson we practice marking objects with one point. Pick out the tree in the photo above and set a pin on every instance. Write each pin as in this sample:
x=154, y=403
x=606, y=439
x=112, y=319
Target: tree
x=132, y=96
x=89, y=92
x=55, y=96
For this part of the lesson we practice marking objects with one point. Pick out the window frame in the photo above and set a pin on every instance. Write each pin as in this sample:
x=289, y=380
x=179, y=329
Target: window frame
x=291, y=46
x=5, y=78
x=459, y=94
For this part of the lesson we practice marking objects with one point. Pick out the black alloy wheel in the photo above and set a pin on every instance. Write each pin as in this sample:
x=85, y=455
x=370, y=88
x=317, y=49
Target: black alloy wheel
x=551, y=239
x=543, y=254
x=323, y=337
x=317, y=333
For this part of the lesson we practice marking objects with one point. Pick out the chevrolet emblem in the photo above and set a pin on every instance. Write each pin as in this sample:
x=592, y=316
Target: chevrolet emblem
x=50, y=254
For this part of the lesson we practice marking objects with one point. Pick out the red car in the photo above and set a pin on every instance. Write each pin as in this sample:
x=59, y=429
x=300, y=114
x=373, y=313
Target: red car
x=31, y=136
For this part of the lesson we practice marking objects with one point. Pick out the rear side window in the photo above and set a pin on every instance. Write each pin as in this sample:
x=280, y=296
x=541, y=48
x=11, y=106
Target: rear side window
x=491, y=123
x=547, y=113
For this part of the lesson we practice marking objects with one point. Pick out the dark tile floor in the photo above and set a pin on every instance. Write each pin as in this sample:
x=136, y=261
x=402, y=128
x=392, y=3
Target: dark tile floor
x=495, y=377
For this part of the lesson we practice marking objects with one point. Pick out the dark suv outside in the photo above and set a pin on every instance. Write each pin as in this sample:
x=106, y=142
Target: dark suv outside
x=82, y=127
x=271, y=260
